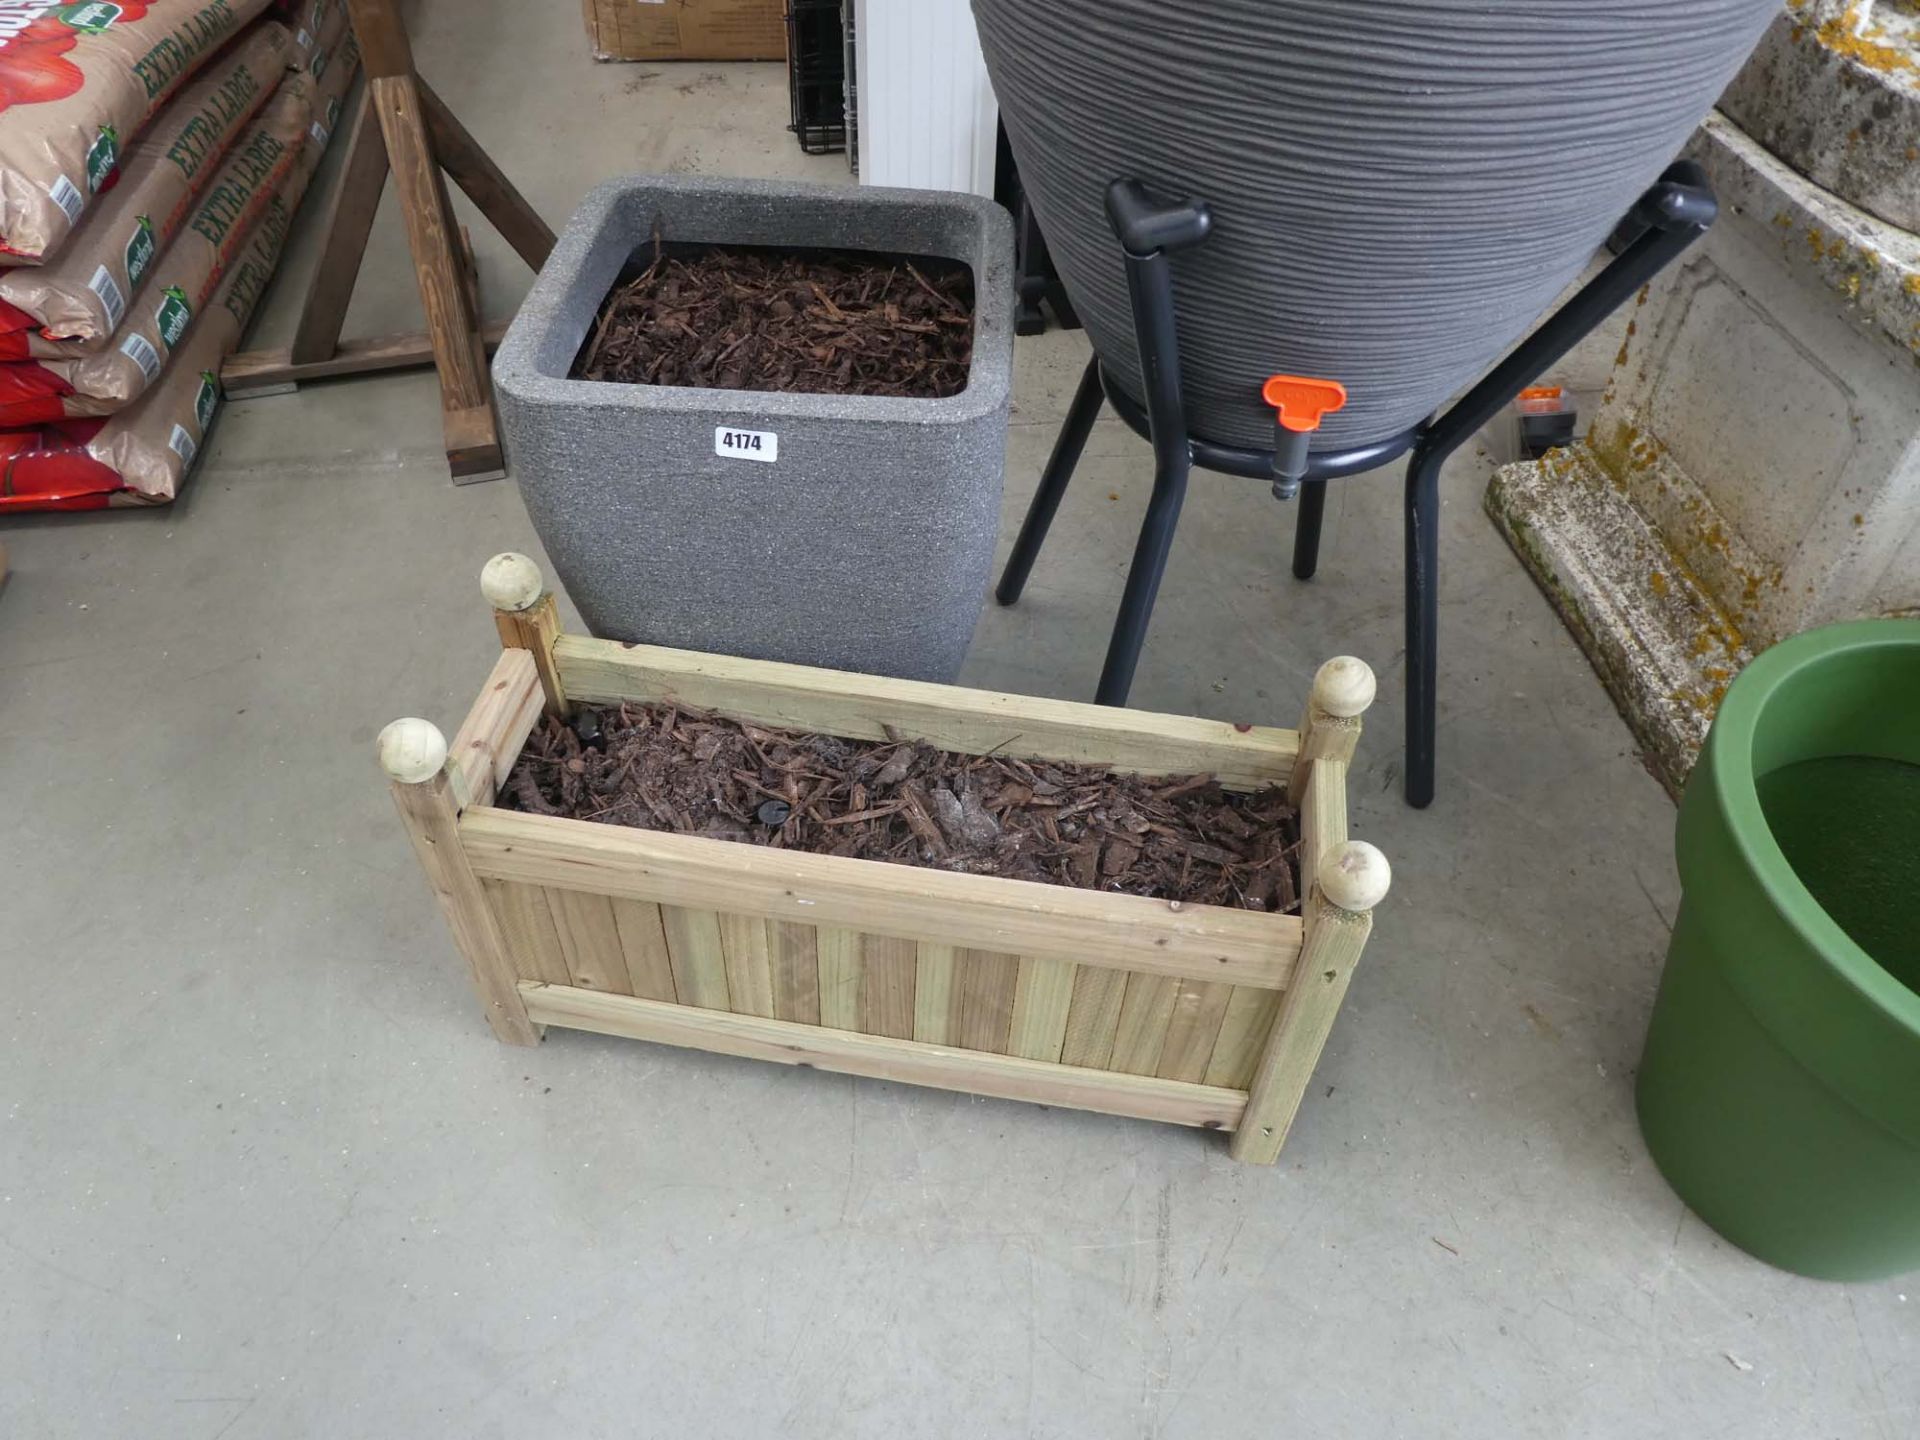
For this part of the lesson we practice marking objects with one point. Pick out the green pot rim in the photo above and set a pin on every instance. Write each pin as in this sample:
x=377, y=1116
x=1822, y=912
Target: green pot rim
x=1736, y=795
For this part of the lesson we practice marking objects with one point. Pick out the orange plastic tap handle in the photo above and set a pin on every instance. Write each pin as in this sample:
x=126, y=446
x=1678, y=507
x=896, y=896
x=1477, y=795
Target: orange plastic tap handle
x=1301, y=401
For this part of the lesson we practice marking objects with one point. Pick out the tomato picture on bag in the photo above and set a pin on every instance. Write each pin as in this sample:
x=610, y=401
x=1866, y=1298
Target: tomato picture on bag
x=32, y=68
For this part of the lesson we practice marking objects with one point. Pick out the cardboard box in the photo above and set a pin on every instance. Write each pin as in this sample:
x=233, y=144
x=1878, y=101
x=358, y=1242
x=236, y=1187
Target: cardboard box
x=687, y=29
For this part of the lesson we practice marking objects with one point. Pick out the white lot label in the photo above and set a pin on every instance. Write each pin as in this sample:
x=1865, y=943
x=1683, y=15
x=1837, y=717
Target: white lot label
x=181, y=443
x=746, y=444
x=137, y=348
x=108, y=289
x=68, y=197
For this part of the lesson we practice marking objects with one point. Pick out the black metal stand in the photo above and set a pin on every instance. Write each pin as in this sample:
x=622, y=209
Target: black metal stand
x=1667, y=219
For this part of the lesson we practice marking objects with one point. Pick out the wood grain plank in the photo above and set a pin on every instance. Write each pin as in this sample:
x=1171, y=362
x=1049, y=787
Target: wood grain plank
x=643, y=941
x=1003, y=1076
x=933, y=1015
x=796, y=972
x=254, y=372
x=1335, y=938
x=590, y=940
x=346, y=228
x=866, y=707
x=1093, y=1017
x=982, y=1001
x=1199, y=1008
x=1141, y=1034
x=887, y=970
x=1323, y=818
x=839, y=955
x=526, y=923
x=748, y=950
x=534, y=631
x=432, y=819
x=483, y=749
x=1042, y=996
x=395, y=101
x=474, y=171
x=698, y=959
x=1011, y=917
x=1243, y=1034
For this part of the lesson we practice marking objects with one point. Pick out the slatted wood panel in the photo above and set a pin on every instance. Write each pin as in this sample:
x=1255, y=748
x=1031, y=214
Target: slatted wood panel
x=887, y=970
x=526, y=923
x=1243, y=1034
x=748, y=950
x=983, y=995
x=883, y=1058
x=1032, y=1007
x=1042, y=996
x=590, y=940
x=796, y=972
x=1086, y=927
x=933, y=1017
x=1145, y=1013
x=699, y=960
x=839, y=952
x=1198, y=1008
x=1093, y=1017
x=643, y=940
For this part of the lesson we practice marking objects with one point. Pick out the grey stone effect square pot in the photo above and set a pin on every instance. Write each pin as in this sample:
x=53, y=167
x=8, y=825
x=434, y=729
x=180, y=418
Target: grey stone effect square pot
x=865, y=545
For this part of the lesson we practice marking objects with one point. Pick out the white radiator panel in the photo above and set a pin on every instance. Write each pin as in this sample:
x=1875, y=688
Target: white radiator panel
x=927, y=114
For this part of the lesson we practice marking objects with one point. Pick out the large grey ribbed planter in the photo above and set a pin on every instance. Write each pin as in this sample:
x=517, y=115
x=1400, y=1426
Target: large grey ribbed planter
x=1399, y=187
x=866, y=544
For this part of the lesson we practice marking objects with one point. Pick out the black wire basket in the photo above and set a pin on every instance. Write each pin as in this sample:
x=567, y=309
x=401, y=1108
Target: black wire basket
x=817, y=75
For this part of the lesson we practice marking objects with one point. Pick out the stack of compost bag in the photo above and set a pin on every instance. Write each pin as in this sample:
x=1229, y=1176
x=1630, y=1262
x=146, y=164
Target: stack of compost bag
x=110, y=346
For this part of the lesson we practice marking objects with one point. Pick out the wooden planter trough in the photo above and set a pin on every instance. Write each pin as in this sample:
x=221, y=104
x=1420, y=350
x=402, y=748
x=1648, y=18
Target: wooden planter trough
x=1195, y=1014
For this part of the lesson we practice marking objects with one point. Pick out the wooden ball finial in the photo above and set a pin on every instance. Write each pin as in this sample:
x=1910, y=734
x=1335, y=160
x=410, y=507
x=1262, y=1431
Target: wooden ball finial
x=512, y=582
x=1344, y=687
x=1354, y=875
x=412, y=750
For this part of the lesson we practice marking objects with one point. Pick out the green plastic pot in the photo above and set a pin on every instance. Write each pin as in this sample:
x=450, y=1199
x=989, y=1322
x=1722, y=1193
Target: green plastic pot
x=1780, y=1090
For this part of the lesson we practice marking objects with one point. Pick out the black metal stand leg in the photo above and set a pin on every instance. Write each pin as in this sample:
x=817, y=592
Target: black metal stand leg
x=1148, y=229
x=1143, y=582
x=1667, y=219
x=1306, y=529
x=1067, y=446
x=1423, y=621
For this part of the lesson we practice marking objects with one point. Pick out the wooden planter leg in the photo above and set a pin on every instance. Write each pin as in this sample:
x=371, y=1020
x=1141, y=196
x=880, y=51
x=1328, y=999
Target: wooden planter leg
x=1353, y=878
x=414, y=755
x=527, y=618
x=1330, y=729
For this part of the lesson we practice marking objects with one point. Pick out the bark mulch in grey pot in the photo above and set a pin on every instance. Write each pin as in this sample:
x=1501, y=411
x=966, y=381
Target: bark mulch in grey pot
x=863, y=543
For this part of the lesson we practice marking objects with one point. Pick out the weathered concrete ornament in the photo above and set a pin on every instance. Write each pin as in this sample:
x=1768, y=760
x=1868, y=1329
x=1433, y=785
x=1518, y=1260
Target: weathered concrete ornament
x=1754, y=467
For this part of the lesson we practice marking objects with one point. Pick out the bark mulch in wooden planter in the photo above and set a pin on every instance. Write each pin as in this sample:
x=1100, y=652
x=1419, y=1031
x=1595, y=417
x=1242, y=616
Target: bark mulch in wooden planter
x=1194, y=1014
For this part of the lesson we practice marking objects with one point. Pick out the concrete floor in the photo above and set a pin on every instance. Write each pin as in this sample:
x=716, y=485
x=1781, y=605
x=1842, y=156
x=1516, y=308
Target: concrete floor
x=264, y=1174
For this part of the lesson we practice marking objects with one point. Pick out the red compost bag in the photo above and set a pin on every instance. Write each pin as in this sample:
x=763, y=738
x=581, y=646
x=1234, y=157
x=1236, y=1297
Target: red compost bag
x=73, y=304
x=262, y=164
x=33, y=392
x=141, y=455
x=77, y=83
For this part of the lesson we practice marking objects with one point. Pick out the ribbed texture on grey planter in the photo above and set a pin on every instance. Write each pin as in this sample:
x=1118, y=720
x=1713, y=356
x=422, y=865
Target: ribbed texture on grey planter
x=866, y=546
x=1399, y=187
